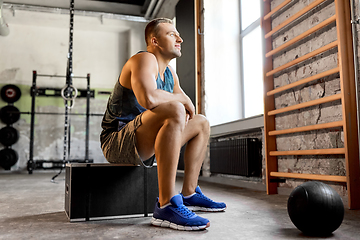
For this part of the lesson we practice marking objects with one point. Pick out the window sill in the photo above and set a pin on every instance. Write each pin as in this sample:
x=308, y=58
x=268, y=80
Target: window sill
x=242, y=125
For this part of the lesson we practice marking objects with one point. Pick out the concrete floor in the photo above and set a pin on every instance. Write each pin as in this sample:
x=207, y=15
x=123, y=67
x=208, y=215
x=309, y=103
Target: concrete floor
x=31, y=207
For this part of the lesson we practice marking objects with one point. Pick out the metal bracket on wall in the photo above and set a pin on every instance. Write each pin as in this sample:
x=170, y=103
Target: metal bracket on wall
x=200, y=33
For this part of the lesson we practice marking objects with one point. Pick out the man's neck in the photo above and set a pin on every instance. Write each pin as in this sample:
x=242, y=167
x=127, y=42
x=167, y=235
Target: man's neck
x=162, y=62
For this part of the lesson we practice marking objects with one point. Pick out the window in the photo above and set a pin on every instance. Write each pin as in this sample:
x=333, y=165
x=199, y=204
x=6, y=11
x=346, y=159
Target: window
x=251, y=66
x=233, y=60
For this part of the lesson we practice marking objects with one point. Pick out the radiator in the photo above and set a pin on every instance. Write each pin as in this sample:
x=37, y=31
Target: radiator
x=236, y=157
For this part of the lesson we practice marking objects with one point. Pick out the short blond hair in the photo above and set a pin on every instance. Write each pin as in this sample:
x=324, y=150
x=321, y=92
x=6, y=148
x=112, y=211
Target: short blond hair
x=152, y=28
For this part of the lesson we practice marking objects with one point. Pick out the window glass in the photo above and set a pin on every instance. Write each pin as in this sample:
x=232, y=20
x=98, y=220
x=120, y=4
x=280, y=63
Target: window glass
x=232, y=60
x=250, y=12
x=253, y=74
x=222, y=61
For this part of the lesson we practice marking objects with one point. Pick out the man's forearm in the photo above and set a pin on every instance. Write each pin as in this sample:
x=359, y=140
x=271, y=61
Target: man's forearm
x=159, y=96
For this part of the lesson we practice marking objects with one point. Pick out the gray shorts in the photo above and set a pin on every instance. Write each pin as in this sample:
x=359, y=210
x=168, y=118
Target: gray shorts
x=120, y=147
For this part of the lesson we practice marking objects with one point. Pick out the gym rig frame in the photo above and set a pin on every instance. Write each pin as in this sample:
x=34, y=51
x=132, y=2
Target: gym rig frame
x=36, y=91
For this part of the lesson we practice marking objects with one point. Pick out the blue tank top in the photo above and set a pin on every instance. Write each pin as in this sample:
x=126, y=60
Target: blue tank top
x=123, y=107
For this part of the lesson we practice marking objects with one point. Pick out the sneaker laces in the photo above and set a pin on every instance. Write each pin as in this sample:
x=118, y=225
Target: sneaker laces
x=205, y=197
x=184, y=211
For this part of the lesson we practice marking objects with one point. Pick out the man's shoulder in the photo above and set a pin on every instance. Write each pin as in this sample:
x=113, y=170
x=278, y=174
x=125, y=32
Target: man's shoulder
x=143, y=55
x=143, y=59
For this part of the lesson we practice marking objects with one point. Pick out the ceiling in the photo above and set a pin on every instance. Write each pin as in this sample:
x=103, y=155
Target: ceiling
x=134, y=2
x=148, y=9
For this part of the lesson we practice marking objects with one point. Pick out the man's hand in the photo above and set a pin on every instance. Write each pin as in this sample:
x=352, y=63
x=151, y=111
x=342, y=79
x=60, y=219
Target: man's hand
x=187, y=118
x=189, y=107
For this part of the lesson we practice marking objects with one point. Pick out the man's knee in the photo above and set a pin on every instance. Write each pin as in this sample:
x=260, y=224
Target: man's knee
x=174, y=111
x=203, y=123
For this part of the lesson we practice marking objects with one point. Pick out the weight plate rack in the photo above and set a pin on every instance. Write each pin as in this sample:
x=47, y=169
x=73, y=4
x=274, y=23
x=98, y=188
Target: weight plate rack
x=9, y=115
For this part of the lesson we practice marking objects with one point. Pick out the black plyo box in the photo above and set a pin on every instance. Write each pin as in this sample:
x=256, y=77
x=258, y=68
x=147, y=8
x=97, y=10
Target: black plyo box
x=96, y=191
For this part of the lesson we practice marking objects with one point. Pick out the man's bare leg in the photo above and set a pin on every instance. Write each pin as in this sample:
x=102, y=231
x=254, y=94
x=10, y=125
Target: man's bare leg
x=196, y=135
x=162, y=132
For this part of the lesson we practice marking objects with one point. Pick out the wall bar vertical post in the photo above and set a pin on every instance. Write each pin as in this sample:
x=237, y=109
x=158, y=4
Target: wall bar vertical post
x=269, y=105
x=348, y=99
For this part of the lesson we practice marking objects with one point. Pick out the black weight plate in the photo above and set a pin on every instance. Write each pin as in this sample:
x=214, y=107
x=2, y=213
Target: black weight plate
x=9, y=114
x=8, y=136
x=10, y=93
x=8, y=158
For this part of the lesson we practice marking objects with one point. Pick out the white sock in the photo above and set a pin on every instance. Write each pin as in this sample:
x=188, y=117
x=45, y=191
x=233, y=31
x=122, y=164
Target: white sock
x=168, y=204
x=189, y=195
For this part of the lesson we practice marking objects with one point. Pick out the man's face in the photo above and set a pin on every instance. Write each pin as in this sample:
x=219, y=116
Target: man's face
x=169, y=40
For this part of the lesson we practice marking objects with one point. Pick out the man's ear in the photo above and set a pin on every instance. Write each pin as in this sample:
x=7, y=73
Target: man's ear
x=154, y=41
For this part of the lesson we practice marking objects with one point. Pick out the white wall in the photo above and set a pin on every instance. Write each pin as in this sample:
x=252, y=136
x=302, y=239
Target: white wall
x=222, y=61
x=39, y=41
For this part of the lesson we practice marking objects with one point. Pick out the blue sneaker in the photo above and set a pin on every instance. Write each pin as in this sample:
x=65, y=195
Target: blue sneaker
x=177, y=216
x=199, y=202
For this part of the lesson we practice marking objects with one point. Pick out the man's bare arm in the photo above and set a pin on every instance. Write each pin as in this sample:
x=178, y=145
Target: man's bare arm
x=144, y=71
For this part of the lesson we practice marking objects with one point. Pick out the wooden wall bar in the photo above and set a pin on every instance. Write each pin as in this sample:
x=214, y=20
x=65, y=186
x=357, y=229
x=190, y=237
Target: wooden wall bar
x=267, y=16
x=293, y=18
x=347, y=96
x=303, y=58
x=318, y=177
x=302, y=36
x=329, y=151
x=303, y=81
x=308, y=128
x=306, y=104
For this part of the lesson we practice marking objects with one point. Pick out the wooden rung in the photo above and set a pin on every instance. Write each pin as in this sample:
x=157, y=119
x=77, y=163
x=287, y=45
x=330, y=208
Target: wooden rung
x=306, y=104
x=331, y=178
x=307, y=128
x=303, y=81
x=303, y=58
x=281, y=5
x=309, y=152
x=294, y=17
x=302, y=36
